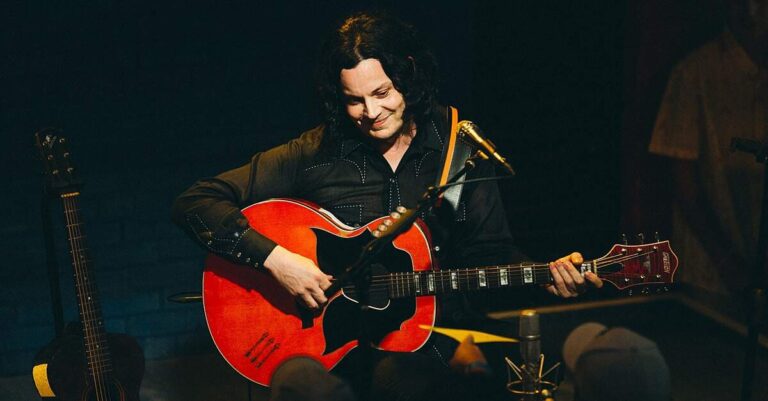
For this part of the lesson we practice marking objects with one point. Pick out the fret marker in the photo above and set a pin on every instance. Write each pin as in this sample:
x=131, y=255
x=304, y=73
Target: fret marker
x=481, y=278
x=586, y=267
x=416, y=283
x=503, y=278
x=454, y=281
x=431, y=282
x=527, y=275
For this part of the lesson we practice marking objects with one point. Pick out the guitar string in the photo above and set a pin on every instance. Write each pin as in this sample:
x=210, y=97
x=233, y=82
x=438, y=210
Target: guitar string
x=408, y=287
x=468, y=278
x=76, y=236
x=101, y=358
x=536, y=268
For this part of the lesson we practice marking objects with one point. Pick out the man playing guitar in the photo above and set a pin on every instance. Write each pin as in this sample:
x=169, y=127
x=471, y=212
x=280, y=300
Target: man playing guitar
x=379, y=147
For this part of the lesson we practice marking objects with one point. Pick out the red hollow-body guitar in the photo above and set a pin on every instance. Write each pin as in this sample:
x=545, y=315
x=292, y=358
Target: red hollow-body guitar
x=256, y=324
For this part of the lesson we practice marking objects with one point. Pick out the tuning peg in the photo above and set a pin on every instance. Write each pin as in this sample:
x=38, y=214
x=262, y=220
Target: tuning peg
x=640, y=238
x=624, y=239
x=656, y=236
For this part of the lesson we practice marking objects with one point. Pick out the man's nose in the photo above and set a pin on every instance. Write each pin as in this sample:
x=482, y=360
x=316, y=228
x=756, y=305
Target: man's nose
x=372, y=109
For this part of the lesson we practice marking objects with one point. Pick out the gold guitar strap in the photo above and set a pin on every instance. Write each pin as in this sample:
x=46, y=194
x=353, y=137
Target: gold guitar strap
x=455, y=153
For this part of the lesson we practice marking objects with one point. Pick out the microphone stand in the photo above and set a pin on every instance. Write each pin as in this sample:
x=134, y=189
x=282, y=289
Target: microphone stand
x=359, y=272
x=756, y=301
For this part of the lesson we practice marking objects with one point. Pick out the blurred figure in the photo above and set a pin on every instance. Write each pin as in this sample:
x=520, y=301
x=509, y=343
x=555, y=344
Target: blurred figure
x=718, y=92
x=615, y=364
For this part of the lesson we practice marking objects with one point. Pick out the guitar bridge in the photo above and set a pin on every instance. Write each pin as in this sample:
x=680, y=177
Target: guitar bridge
x=261, y=349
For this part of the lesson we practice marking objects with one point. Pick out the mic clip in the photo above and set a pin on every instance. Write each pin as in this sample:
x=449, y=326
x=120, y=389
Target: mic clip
x=532, y=382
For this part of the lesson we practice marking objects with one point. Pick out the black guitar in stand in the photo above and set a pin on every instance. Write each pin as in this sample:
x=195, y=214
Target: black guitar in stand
x=86, y=362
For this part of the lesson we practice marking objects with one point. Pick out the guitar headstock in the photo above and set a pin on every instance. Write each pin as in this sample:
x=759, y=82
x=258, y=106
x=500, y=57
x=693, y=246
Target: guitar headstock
x=643, y=267
x=60, y=174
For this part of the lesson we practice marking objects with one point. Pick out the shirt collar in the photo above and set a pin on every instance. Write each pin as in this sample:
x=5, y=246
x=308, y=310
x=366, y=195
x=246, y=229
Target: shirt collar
x=427, y=138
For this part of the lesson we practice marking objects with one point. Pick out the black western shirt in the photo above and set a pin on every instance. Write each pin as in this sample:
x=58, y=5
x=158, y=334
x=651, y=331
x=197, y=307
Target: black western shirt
x=352, y=180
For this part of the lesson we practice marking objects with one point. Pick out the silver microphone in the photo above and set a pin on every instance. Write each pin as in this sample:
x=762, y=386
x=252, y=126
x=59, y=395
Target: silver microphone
x=530, y=351
x=470, y=130
x=533, y=384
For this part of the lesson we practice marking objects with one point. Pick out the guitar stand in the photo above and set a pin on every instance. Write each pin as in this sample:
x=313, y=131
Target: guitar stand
x=757, y=300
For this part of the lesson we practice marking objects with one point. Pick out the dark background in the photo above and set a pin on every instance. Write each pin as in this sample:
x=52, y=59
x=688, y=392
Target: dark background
x=153, y=95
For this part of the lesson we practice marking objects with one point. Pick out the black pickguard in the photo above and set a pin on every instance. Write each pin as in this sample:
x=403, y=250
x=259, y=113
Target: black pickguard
x=342, y=319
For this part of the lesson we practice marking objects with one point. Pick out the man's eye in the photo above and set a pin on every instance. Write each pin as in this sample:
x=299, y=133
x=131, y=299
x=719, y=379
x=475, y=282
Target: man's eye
x=352, y=102
x=382, y=94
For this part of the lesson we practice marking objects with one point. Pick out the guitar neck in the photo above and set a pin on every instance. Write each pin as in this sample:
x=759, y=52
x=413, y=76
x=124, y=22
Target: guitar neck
x=410, y=284
x=94, y=334
x=433, y=282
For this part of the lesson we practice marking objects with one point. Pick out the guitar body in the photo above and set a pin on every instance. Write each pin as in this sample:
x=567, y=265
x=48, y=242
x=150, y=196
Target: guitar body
x=67, y=372
x=256, y=324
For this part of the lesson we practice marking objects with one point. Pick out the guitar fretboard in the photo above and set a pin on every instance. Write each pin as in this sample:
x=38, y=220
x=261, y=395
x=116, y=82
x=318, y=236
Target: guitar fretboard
x=94, y=335
x=409, y=284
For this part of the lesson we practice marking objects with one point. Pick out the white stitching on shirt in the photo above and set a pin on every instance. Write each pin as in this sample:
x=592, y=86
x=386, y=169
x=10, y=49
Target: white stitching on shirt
x=198, y=219
x=397, y=187
x=440, y=355
x=318, y=165
x=437, y=132
x=359, y=207
x=421, y=161
x=362, y=176
x=365, y=161
x=462, y=215
x=239, y=238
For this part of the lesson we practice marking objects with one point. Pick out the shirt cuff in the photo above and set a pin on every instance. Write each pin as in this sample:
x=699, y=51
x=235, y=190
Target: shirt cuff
x=240, y=244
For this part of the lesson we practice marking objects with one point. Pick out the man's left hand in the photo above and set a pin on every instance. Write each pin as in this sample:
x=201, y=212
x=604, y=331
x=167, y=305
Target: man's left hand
x=568, y=281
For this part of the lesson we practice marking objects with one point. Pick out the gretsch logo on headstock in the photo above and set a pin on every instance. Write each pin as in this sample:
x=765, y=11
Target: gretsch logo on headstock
x=665, y=259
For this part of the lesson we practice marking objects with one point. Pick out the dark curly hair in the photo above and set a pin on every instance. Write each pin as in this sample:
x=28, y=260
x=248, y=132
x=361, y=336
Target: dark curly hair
x=404, y=57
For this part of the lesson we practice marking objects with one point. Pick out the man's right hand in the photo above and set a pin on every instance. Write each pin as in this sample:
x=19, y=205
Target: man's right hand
x=299, y=276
